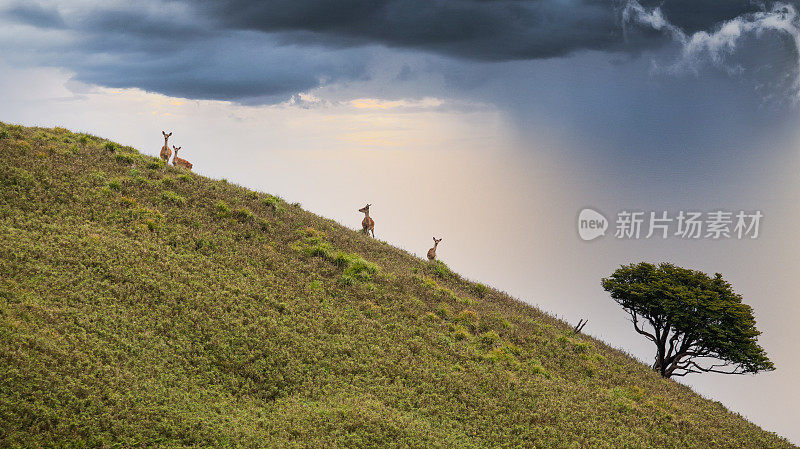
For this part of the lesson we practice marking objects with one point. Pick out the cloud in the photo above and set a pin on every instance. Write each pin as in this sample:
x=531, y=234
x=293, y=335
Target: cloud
x=35, y=15
x=171, y=50
x=497, y=30
x=717, y=45
x=268, y=52
x=473, y=29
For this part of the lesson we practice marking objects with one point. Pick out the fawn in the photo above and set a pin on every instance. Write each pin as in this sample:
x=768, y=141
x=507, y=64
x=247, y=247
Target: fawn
x=367, y=224
x=165, y=151
x=432, y=251
x=178, y=162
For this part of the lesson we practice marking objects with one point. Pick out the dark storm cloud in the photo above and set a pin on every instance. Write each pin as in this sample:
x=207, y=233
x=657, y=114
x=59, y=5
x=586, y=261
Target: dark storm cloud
x=174, y=51
x=694, y=15
x=35, y=15
x=266, y=51
x=474, y=29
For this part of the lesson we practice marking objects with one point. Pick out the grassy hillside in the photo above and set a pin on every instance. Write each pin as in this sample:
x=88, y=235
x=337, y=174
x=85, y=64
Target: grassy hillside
x=142, y=305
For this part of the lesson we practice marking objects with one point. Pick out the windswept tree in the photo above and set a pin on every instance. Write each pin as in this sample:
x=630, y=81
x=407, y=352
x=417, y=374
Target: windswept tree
x=697, y=322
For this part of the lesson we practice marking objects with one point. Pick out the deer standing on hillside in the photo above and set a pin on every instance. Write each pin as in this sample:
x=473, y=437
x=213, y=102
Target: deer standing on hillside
x=367, y=224
x=178, y=162
x=432, y=251
x=165, y=151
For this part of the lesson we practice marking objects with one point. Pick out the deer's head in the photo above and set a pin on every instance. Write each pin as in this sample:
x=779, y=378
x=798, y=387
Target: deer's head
x=176, y=148
x=365, y=209
x=166, y=136
x=436, y=241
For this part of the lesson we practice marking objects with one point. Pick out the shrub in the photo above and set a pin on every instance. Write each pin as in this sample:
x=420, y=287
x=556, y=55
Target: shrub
x=443, y=311
x=98, y=177
x=463, y=299
x=480, y=289
x=346, y=280
x=322, y=249
x=430, y=316
x=490, y=338
x=360, y=269
x=244, y=215
x=111, y=146
x=172, y=197
x=624, y=399
x=354, y=267
x=273, y=202
x=468, y=318
x=460, y=333
x=498, y=355
x=4, y=134
x=538, y=370
x=494, y=321
x=441, y=270
x=127, y=201
x=124, y=158
x=115, y=185
x=137, y=177
x=222, y=209
x=150, y=223
x=581, y=347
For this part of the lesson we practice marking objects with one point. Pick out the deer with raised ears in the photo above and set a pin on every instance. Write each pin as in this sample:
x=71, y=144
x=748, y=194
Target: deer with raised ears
x=367, y=224
x=178, y=162
x=432, y=251
x=165, y=151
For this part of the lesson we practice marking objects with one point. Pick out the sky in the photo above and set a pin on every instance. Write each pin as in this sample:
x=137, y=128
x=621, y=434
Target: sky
x=488, y=124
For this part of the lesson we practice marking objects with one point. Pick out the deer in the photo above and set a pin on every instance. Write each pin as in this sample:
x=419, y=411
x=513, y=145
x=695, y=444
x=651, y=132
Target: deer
x=178, y=162
x=367, y=224
x=432, y=251
x=165, y=151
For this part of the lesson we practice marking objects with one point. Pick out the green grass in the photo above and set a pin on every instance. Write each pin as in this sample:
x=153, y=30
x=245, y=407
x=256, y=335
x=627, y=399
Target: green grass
x=141, y=306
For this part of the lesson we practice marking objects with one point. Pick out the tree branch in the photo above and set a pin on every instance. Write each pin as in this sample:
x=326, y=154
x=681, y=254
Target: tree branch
x=635, y=321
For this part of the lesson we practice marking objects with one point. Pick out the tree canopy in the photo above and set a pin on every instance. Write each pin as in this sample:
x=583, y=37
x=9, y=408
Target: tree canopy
x=697, y=322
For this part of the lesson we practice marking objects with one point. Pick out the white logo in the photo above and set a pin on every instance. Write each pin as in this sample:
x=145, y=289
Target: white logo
x=591, y=224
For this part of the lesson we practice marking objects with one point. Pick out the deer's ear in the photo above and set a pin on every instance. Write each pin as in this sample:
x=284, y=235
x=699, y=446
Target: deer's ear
x=162, y=132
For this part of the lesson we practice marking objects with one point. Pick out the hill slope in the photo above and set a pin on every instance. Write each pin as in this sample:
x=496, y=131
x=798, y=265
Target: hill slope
x=141, y=305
